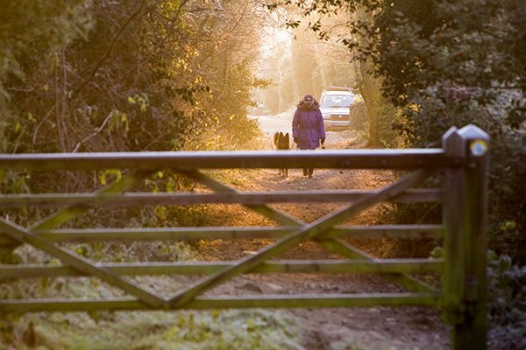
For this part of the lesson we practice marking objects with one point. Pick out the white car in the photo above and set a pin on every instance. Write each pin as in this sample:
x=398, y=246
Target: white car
x=335, y=108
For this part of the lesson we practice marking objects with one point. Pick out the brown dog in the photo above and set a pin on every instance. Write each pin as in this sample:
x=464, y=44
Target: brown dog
x=282, y=142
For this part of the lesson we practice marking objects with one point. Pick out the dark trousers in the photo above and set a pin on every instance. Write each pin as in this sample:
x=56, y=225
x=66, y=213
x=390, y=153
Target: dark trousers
x=307, y=171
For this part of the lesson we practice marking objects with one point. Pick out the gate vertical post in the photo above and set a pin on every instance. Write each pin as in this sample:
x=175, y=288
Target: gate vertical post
x=472, y=333
x=452, y=212
x=465, y=207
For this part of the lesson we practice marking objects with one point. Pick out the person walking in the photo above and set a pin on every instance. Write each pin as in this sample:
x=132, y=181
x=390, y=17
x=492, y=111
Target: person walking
x=308, y=130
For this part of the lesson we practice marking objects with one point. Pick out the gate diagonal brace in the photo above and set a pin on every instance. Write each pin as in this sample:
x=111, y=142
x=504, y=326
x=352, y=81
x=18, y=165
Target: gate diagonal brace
x=280, y=217
x=308, y=231
x=83, y=265
x=334, y=245
x=70, y=212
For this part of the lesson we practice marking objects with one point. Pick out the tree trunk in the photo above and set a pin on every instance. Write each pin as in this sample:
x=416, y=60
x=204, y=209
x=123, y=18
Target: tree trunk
x=372, y=96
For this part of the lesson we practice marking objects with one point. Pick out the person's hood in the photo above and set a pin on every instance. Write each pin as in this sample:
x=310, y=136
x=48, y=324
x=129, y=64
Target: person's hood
x=303, y=106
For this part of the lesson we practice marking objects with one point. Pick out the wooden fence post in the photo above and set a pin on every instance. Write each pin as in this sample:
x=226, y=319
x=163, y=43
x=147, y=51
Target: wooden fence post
x=466, y=242
x=453, y=207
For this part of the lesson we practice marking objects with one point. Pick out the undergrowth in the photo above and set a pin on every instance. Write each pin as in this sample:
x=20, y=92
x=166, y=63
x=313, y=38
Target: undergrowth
x=507, y=303
x=153, y=330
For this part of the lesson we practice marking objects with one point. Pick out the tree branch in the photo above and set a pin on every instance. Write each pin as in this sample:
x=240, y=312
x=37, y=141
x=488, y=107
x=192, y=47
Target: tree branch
x=110, y=49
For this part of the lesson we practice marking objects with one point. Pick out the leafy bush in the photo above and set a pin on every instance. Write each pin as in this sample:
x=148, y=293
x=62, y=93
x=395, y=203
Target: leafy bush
x=507, y=302
x=507, y=197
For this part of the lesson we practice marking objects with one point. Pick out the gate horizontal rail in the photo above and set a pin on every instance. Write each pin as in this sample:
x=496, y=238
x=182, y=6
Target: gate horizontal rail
x=230, y=233
x=242, y=302
x=461, y=163
x=149, y=199
x=206, y=268
x=327, y=159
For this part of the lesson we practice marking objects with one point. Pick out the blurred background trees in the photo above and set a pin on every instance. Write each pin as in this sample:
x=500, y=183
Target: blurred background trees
x=81, y=76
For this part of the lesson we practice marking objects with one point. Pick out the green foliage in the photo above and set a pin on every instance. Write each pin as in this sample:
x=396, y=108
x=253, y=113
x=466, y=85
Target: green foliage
x=508, y=206
x=507, y=292
x=32, y=35
x=141, y=78
x=451, y=71
x=30, y=32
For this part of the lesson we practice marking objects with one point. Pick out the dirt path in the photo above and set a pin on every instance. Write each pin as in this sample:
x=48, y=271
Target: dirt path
x=340, y=328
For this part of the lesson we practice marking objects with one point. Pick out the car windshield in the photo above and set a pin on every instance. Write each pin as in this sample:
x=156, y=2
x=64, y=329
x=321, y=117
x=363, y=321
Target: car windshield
x=337, y=101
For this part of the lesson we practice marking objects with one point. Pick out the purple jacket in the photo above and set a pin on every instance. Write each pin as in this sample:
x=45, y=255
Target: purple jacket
x=307, y=126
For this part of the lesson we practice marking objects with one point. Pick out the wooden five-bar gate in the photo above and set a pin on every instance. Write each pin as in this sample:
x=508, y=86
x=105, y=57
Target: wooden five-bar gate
x=461, y=164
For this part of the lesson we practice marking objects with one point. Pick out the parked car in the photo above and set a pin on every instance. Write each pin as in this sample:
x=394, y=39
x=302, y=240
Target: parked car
x=335, y=107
